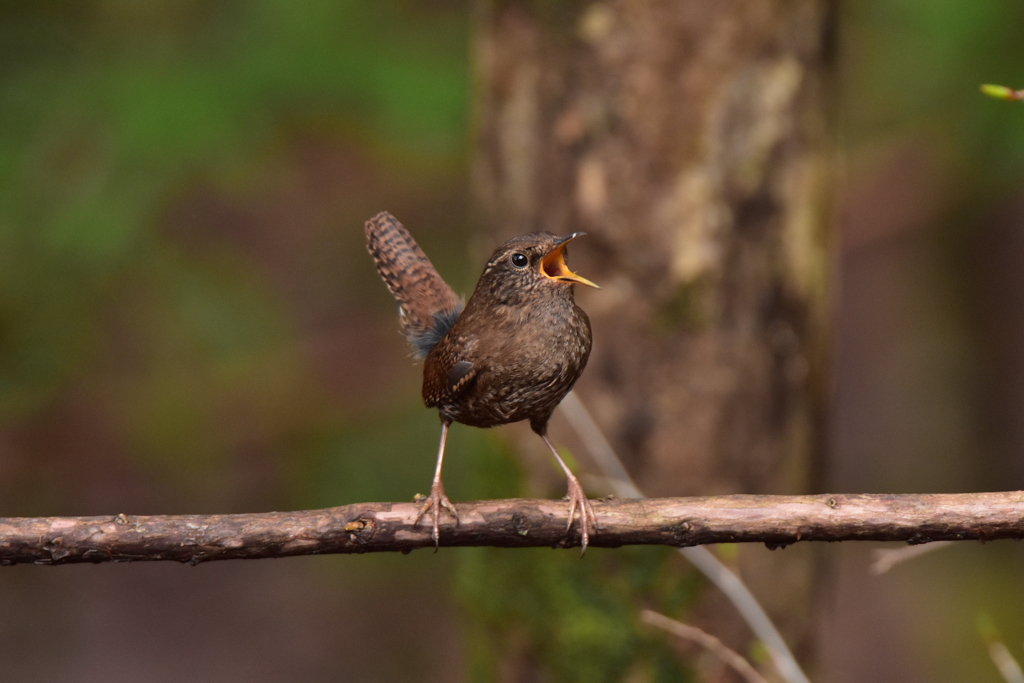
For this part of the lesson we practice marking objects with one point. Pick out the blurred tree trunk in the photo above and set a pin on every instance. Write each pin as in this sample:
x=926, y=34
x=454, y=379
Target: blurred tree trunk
x=690, y=141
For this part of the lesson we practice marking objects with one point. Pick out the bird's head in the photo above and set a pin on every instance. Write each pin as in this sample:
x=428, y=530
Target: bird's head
x=530, y=266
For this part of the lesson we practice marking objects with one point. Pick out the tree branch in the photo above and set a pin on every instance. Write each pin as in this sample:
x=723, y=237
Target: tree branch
x=518, y=523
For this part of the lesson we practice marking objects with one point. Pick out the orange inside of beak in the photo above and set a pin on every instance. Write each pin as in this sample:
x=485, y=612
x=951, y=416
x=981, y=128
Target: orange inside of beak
x=553, y=266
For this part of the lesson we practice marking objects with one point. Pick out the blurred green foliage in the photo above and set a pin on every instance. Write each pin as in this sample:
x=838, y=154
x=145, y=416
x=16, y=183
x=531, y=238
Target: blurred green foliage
x=575, y=619
x=578, y=620
x=183, y=341
x=913, y=68
x=109, y=111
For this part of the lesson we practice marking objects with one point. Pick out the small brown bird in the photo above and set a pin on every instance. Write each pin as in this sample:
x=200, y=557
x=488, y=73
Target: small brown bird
x=511, y=353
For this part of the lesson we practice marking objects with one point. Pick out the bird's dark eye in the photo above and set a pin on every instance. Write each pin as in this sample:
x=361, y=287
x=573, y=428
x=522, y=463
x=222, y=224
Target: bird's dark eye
x=520, y=260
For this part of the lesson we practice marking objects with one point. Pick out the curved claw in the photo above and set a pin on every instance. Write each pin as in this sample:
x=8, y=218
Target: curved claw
x=437, y=500
x=588, y=519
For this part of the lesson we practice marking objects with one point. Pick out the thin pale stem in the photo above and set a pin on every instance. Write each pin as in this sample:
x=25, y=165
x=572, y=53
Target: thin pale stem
x=726, y=655
x=701, y=558
x=887, y=558
x=1007, y=664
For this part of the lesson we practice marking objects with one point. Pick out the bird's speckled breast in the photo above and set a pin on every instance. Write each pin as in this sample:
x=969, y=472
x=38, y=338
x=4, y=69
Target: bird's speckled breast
x=531, y=360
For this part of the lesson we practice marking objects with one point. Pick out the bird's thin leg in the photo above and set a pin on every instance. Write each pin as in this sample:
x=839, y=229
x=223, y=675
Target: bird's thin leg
x=437, y=498
x=577, y=498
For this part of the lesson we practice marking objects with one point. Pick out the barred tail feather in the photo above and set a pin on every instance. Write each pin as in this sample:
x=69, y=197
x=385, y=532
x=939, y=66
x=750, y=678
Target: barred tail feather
x=428, y=306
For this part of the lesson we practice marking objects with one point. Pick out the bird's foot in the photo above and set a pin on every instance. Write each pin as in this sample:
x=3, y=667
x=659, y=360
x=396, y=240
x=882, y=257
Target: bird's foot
x=436, y=500
x=588, y=520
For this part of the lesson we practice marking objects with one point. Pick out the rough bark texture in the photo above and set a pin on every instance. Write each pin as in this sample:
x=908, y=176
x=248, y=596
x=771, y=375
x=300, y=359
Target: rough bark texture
x=685, y=138
x=516, y=523
x=688, y=139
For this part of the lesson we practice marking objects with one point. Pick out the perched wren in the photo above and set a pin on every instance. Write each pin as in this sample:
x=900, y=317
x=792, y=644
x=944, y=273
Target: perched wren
x=511, y=353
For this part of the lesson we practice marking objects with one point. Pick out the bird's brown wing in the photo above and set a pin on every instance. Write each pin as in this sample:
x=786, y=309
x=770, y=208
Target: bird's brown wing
x=459, y=377
x=446, y=376
x=425, y=298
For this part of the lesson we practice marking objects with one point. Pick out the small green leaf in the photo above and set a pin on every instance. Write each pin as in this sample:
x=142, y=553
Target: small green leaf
x=1001, y=92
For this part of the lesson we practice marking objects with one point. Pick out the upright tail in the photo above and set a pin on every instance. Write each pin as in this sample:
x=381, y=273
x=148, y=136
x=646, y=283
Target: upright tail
x=428, y=307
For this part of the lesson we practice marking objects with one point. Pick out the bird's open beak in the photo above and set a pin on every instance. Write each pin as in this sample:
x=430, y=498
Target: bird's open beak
x=553, y=263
